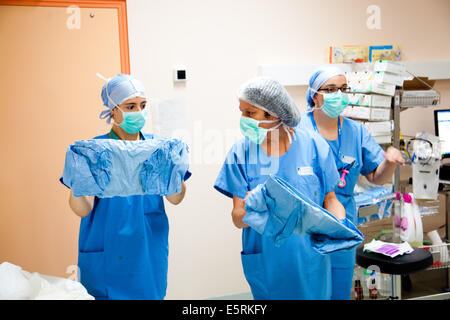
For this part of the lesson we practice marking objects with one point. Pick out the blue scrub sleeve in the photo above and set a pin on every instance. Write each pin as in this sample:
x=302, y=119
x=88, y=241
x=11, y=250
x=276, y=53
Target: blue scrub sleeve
x=372, y=153
x=328, y=172
x=232, y=180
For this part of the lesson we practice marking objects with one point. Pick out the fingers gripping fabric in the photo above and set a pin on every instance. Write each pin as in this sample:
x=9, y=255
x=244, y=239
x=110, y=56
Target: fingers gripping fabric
x=107, y=168
x=276, y=210
x=160, y=176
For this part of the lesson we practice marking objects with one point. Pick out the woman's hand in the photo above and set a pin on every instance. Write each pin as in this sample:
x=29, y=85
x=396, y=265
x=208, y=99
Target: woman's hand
x=238, y=212
x=177, y=197
x=393, y=155
x=332, y=204
x=81, y=206
x=383, y=173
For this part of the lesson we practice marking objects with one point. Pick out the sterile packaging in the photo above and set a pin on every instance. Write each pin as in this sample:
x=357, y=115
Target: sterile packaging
x=390, y=66
x=386, y=139
x=390, y=78
x=372, y=203
x=367, y=113
x=276, y=209
x=369, y=100
x=370, y=86
x=388, y=249
x=380, y=114
x=382, y=128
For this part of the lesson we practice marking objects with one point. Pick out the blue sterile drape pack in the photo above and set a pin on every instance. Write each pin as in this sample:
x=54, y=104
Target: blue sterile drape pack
x=276, y=210
x=107, y=168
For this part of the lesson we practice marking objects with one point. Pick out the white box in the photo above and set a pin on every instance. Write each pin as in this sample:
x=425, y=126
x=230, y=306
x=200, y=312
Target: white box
x=369, y=86
x=380, y=114
x=381, y=128
x=367, y=113
x=383, y=139
x=390, y=78
x=390, y=66
x=369, y=100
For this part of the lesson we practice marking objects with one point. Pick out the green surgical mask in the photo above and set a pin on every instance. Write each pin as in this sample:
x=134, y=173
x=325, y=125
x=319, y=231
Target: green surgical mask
x=334, y=103
x=133, y=122
x=250, y=128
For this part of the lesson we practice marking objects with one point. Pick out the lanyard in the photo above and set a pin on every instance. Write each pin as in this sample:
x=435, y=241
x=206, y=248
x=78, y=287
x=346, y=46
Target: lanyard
x=342, y=182
x=338, y=155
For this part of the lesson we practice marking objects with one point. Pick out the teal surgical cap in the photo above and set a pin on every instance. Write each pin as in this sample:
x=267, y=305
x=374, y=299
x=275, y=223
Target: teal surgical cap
x=318, y=78
x=118, y=89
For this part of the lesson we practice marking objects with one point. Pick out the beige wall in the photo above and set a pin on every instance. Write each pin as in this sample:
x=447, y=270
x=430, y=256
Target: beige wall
x=49, y=98
x=221, y=44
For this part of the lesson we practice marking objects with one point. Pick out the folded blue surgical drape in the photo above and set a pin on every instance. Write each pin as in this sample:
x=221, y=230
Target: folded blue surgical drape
x=276, y=210
x=107, y=168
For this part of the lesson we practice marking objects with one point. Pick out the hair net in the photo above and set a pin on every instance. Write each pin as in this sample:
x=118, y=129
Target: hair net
x=272, y=97
x=317, y=80
x=118, y=89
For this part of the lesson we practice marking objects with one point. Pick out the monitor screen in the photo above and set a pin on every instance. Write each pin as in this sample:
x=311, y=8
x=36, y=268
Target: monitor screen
x=442, y=128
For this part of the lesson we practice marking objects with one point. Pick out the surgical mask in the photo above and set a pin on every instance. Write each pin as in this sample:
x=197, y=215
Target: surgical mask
x=333, y=103
x=250, y=128
x=133, y=122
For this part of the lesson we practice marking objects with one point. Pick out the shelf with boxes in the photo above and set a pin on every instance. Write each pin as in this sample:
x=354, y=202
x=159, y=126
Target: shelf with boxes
x=370, y=102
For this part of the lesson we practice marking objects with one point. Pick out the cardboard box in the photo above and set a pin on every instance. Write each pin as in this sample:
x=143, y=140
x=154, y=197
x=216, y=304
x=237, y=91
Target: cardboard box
x=390, y=66
x=390, y=78
x=372, y=228
x=370, y=100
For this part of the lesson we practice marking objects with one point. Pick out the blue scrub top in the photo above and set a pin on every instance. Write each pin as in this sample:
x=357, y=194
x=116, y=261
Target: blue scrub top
x=356, y=145
x=123, y=246
x=294, y=270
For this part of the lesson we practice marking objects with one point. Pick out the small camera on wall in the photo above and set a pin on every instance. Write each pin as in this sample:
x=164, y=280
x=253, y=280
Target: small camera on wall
x=179, y=75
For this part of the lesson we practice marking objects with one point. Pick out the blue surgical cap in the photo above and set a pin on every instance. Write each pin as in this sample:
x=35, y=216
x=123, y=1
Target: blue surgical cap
x=318, y=79
x=118, y=89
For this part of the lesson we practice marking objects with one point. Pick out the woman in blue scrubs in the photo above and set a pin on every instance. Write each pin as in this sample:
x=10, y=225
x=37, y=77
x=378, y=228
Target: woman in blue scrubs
x=123, y=241
x=355, y=152
x=272, y=145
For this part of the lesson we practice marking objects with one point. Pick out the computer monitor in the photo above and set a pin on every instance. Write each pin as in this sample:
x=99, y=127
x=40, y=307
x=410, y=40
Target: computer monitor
x=442, y=128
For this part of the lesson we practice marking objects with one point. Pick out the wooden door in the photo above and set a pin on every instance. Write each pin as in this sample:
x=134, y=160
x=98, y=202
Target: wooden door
x=49, y=97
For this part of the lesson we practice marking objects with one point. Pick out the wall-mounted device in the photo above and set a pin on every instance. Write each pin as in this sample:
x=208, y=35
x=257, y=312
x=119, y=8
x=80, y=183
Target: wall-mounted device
x=179, y=75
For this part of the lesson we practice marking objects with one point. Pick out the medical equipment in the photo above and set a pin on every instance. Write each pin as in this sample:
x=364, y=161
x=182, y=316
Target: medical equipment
x=107, y=168
x=425, y=154
x=276, y=210
x=272, y=97
x=442, y=130
x=369, y=100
